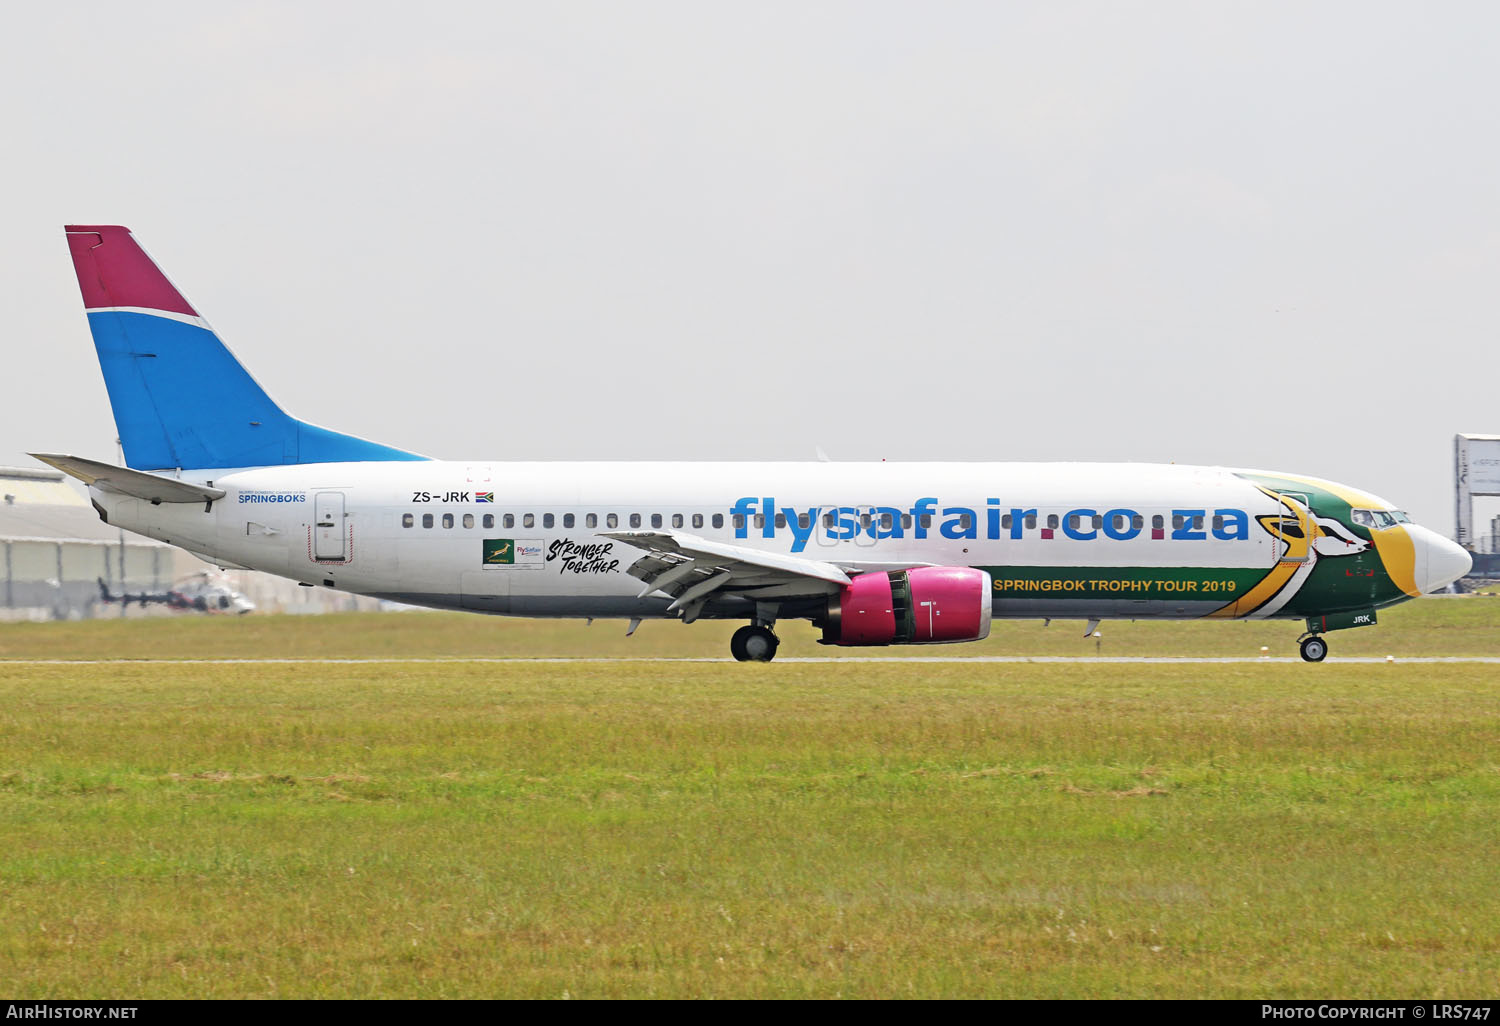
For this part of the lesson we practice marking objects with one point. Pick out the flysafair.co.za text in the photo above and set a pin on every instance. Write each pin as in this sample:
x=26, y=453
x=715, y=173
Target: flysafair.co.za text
x=843, y=523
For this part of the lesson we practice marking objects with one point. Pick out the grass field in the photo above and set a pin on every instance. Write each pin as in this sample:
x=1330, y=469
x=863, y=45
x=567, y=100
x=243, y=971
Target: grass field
x=714, y=829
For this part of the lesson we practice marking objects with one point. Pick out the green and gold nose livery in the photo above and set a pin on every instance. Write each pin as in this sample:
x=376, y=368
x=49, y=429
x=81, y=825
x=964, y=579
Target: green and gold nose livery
x=1342, y=550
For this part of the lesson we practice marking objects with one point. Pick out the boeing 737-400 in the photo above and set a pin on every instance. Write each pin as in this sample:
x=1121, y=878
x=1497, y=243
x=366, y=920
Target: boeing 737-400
x=870, y=553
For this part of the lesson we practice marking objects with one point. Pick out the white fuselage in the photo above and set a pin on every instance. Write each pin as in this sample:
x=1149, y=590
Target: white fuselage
x=364, y=527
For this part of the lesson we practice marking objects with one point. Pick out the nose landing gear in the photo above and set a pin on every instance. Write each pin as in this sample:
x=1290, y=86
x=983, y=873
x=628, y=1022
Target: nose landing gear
x=753, y=643
x=1314, y=648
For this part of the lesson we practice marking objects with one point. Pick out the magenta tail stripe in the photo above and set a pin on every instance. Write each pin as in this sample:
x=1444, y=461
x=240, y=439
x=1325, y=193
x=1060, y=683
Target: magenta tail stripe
x=113, y=270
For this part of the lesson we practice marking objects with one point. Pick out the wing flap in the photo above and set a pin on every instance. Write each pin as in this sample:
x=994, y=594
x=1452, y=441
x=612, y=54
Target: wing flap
x=691, y=569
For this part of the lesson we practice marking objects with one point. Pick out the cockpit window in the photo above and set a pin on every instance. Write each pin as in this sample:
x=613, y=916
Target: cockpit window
x=1373, y=518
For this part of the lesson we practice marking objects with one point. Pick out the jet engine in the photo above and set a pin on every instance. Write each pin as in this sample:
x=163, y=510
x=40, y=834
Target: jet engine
x=922, y=606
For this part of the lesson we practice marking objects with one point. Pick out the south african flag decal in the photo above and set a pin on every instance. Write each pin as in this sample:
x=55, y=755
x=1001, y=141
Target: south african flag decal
x=484, y=496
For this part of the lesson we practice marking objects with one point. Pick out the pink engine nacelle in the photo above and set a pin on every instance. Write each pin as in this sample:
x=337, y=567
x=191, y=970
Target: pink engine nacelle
x=922, y=606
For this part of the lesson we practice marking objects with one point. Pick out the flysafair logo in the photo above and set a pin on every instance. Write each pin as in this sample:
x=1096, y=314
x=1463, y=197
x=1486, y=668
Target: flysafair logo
x=964, y=522
x=512, y=552
x=273, y=497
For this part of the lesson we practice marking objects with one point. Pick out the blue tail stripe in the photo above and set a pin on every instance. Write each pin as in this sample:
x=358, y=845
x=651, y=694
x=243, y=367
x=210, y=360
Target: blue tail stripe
x=181, y=399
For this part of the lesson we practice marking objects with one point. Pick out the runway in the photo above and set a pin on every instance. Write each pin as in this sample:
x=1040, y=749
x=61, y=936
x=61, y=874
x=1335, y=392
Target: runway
x=974, y=660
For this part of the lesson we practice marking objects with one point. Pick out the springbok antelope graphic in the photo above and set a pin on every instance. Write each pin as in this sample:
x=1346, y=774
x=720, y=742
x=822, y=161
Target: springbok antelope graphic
x=1308, y=538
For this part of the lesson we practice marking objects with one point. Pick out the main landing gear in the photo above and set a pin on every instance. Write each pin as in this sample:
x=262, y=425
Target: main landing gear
x=753, y=643
x=1314, y=648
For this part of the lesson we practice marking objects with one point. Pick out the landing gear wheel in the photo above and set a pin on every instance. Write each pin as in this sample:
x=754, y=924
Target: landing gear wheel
x=752, y=644
x=1314, y=649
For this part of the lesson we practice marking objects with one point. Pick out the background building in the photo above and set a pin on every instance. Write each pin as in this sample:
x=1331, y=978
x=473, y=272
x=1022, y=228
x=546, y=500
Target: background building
x=56, y=550
x=1476, y=475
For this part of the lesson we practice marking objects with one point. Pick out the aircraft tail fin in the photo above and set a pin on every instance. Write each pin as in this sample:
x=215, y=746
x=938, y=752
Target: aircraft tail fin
x=180, y=398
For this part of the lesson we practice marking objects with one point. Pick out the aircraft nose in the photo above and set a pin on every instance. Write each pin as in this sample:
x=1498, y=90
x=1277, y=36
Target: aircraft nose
x=1439, y=561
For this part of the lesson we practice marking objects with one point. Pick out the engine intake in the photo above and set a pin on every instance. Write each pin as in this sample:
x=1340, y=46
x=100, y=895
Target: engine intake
x=926, y=605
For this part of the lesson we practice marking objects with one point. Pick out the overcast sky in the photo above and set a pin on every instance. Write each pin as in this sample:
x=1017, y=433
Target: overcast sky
x=1261, y=235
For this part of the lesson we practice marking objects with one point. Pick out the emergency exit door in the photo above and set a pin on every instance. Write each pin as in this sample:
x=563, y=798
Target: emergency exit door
x=328, y=525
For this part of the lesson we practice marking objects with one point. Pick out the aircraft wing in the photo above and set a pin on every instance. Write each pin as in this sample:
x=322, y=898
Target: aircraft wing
x=690, y=569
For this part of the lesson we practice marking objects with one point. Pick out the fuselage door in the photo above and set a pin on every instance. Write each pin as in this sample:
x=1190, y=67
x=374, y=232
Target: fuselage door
x=328, y=525
x=1295, y=532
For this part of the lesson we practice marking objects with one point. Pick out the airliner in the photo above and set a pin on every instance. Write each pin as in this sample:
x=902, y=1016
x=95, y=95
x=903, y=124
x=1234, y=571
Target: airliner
x=871, y=554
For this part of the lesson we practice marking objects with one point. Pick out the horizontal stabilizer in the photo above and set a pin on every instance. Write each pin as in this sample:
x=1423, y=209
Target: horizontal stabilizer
x=134, y=483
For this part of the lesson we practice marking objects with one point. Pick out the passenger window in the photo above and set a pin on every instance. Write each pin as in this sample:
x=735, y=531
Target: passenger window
x=926, y=521
x=591, y=520
x=468, y=520
x=1073, y=521
x=1197, y=523
x=407, y=520
x=1177, y=521
x=1157, y=522
x=829, y=520
x=906, y=521
x=489, y=520
x=510, y=520
x=1137, y=522
x=656, y=520
x=739, y=520
x=1098, y=521
x=865, y=521
x=548, y=520
x=760, y=521
x=426, y=519
x=718, y=520
x=676, y=519
x=781, y=521
x=635, y=520
x=612, y=520
x=966, y=522
x=1031, y=521
x=1052, y=521
x=528, y=519
x=447, y=519
x=697, y=519
x=567, y=520
x=886, y=522
x=1218, y=522
x=1006, y=521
